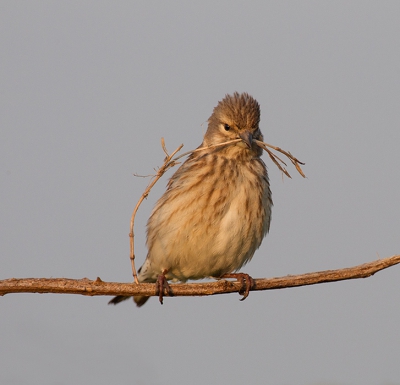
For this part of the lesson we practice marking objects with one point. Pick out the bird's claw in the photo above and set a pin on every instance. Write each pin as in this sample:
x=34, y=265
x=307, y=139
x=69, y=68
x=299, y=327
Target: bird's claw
x=161, y=286
x=245, y=280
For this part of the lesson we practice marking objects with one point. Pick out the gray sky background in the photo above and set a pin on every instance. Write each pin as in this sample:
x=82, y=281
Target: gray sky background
x=87, y=91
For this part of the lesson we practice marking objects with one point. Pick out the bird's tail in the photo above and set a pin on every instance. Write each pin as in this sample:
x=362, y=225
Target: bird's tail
x=140, y=300
x=118, y=299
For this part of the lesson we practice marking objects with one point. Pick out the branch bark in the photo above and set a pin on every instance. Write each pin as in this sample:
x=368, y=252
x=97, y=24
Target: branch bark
x=88, y=287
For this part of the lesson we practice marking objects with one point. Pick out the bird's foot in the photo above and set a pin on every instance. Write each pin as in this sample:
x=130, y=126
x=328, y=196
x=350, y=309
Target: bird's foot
x=161, y=285
x=246, y=281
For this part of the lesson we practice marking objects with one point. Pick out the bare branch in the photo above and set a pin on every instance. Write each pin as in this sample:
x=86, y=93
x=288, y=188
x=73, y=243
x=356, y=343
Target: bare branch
x=98, y=287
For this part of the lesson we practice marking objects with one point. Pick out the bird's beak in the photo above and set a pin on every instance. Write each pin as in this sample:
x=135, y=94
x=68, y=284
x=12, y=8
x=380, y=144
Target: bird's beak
x=247, y=137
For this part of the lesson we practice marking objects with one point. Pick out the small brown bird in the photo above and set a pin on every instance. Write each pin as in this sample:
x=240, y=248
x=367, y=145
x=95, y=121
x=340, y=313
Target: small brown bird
x=217, y=206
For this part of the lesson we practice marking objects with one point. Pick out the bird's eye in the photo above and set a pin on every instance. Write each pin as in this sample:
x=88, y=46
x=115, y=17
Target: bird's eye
x=227, y=127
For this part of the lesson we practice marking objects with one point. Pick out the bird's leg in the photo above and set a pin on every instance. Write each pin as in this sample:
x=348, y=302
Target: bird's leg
x=246, y=281
x=161, y=285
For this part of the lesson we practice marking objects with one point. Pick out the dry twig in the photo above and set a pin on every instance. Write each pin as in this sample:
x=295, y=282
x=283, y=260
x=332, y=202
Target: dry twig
x=274, y=158
x=98, y=287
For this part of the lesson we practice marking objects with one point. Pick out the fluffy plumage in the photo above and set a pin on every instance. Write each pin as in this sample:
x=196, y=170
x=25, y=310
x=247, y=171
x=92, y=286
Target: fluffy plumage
x=217, y=206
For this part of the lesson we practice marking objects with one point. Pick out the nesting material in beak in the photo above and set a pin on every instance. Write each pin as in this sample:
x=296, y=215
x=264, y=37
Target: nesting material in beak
x=247, y=137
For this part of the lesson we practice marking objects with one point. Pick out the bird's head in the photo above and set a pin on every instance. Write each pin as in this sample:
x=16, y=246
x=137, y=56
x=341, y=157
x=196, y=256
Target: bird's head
x=236, y=116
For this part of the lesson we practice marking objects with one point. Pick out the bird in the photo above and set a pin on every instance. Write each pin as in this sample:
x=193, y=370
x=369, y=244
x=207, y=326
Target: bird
x=216, y=209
